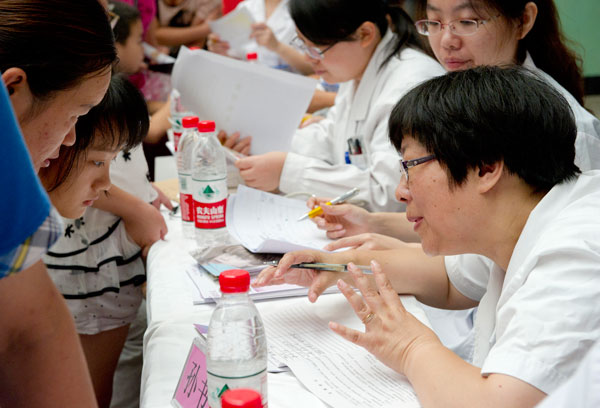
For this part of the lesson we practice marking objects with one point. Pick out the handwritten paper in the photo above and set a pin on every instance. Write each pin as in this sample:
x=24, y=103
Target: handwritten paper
x=265, y=222
x=191, y=391
x=255, y=100
x=338, y=372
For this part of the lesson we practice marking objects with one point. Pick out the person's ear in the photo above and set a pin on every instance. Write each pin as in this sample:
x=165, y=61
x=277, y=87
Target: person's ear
x=366, y=33
x=21, y=98
x=528, y=19
x=489, y=175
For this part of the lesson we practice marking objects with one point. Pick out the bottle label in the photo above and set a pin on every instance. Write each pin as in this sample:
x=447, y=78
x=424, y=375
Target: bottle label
x=187, y=207
x=217, y=385
x=210, y=203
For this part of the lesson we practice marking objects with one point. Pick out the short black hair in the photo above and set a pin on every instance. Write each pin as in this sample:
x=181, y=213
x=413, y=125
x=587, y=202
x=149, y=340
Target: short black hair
x=128, y=15
x=480, y=116
x=121, y=119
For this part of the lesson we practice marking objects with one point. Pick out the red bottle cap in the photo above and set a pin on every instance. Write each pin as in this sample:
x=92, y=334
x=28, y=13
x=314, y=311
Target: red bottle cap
x=251, y=56
x=189, y=121
x=241, y=398
x=234, y=281
x=206, y=126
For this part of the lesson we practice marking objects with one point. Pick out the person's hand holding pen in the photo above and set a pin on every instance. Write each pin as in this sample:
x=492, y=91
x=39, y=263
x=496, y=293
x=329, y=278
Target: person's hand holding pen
x=316, y=281
x=341, y=220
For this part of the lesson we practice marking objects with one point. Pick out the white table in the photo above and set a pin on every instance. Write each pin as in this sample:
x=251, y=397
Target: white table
x=170, y=332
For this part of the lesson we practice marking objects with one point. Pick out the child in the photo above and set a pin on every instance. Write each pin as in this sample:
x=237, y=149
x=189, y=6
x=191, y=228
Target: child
x=350, y=42
x=96, y=266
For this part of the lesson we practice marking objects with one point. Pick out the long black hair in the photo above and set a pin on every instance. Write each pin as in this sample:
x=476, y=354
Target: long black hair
x=120, y=121
x=325, y=22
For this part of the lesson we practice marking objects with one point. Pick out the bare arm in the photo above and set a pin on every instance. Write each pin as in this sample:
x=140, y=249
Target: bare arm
x=42, y=361
x=321, y=100
x=173, y=36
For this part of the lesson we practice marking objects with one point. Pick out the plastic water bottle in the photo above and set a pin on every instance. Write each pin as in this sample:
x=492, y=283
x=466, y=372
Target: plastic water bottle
x=209, y=185
x=252, y=57
x=241, y=398
x=236, y=343
x=184, y=154
x=177, y=113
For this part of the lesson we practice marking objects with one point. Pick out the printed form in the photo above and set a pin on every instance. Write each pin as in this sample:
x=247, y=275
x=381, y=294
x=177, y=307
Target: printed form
x=338, y=372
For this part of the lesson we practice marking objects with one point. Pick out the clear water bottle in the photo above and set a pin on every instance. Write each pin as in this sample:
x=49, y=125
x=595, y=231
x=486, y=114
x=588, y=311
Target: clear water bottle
x=236, y=343
x=209, y=185
x=177, y=113
x=241, y=398
x=184, y=154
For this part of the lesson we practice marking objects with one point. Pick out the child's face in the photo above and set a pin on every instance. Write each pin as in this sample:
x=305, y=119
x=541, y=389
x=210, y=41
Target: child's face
x=131, y=54
x=86, y=181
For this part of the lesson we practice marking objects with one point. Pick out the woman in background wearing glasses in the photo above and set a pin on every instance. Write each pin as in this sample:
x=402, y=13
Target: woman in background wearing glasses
x=350, y=42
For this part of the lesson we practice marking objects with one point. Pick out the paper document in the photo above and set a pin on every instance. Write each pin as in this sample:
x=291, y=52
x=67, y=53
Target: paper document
x=234, y=27
x=265, y=222
x=255, y=100
x=340, y=373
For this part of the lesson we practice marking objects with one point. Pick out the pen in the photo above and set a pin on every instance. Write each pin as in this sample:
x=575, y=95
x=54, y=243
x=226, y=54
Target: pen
x=323, y=267
x=338, y=200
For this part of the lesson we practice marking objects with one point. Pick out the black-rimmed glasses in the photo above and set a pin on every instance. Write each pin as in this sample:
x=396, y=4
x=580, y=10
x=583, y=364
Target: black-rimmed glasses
x=462, y=27
x=407, y=164
x=313, y=52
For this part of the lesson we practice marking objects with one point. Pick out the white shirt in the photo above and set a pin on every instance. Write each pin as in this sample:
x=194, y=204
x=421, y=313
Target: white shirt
x=537, y=321
x=582, y=390
x=587, y=144
x=280, y=22
x=316, y=162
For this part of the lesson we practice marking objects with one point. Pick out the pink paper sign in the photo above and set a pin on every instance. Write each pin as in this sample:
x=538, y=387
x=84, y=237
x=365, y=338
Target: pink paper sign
x=191, y=391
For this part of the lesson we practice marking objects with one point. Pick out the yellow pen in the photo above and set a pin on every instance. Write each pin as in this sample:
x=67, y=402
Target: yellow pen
x=338, y=200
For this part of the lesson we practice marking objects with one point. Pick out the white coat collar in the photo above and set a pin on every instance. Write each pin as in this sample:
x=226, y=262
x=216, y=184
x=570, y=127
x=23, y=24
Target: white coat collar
x=361, y=99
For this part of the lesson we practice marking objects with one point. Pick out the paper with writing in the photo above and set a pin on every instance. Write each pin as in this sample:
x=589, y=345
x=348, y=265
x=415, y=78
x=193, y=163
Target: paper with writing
x=191, y=391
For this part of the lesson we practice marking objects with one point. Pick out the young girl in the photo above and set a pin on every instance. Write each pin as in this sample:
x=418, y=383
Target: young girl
x=95, y=265
x=348, y=42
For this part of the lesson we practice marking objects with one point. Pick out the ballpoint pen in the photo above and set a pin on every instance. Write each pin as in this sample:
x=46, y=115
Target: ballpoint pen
x=338, y=200
x=318, y=266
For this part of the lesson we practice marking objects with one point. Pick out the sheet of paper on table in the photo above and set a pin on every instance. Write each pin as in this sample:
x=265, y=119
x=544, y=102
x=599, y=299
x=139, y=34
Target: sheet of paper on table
x=252, y=99
x=235, y=27
x=265, y=222
x=340, y=373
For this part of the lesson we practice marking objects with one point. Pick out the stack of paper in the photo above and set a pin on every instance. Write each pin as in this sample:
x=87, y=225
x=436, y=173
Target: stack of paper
x=264, y=222
x=207, y=288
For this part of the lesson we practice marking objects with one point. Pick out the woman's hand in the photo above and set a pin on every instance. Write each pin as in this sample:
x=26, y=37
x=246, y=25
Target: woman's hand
x=369, y=241
x=162, y=199
x=316, y=281
x=340, y=220
x=391, y=333
x=262, y=171
x=234, y=142
x=264, y=36
x=217, y=46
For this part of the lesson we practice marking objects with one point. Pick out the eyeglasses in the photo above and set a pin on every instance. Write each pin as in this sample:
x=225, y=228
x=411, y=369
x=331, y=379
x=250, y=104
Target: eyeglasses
x=313, y=52
x=407, y=164
x=463, y=27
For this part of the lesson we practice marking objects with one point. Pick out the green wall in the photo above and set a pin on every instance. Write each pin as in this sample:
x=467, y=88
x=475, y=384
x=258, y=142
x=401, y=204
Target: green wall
x=581, y=24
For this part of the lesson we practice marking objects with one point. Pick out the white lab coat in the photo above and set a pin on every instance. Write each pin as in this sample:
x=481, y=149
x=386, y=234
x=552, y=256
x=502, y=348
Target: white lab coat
x=280, y=22
x=582, y=390
x=537, y=320
x=316, y=161
x=587, y=144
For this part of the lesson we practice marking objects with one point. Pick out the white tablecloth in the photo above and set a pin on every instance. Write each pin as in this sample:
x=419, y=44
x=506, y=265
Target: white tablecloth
x=170, y=332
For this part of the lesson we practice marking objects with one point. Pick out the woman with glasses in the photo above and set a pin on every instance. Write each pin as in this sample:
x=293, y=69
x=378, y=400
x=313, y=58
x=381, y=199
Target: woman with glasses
x=350, y=42
x=490, y=170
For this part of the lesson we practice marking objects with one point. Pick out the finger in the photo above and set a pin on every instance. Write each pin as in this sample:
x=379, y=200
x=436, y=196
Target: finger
x=344, y=243
x=291, y=258
x=242, y=144
x=353, y=336
x=265, y=276
x=311, y=203
x=167, y=203
x=222, y=136
x=356, y=301
x=323, y=224
x=369, y=293
x=232, y=140
x=321, y=281
x=336, y=234
x=244, y=163
x=338, y=209
x=386, y=290
x=246, y=150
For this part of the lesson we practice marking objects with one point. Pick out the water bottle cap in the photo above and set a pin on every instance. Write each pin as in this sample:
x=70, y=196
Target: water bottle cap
x=206, y=126
x=241, y=398
x=234, y=281
x=251, y=56
x=189, y=122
